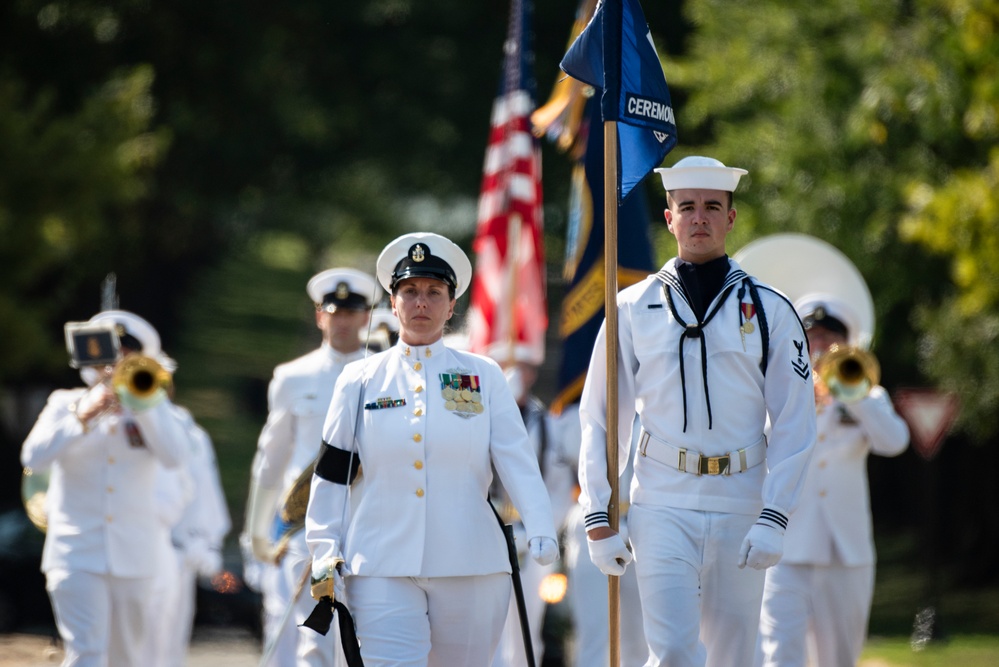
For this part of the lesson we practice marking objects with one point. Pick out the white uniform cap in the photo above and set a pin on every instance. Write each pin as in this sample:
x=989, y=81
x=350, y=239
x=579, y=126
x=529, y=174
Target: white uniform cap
x=818, y=308
x=424, y=255
x=700, y=173
x=130, y=324
x=351, y=289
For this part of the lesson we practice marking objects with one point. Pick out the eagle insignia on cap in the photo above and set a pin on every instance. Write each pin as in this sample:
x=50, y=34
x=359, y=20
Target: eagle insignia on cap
x=819, y=313
x=119, y=329
x=342, y=290
x=417, y=253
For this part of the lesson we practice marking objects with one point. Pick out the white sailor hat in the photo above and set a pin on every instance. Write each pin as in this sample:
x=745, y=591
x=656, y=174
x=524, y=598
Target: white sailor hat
x=424, y=255
x=348, y=289
x=133, y=331
x=701, y=173
x=828, y=312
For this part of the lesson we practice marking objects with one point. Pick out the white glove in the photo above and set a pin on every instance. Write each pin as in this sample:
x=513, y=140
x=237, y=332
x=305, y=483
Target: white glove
x=762, y=548
x=327, y=580
x=544, y=550
x=201, y=558
x=610, y=554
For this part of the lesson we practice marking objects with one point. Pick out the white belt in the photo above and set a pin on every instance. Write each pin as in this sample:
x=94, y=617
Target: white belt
x=686, y=460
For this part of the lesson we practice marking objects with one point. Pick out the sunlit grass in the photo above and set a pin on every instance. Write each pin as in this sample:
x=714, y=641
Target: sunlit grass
x=955, y=651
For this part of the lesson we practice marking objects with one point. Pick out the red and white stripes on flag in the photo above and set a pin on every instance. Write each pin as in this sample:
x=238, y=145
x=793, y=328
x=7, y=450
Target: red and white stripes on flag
x=507, y=316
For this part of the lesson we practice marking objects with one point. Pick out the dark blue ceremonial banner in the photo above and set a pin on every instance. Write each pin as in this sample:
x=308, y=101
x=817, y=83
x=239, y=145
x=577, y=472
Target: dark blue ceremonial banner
x=616, y=54
x=583, y=304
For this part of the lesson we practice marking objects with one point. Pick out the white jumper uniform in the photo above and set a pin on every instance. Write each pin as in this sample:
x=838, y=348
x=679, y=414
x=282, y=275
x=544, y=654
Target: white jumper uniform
x=298, y=399
x=428, y=561
x=817, y=599
x=99, y=557
x=686, y=528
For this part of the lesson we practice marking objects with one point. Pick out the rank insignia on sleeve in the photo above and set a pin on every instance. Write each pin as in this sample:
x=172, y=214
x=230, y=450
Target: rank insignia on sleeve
x=462, y=393
x=799, y=362
x=385, y=402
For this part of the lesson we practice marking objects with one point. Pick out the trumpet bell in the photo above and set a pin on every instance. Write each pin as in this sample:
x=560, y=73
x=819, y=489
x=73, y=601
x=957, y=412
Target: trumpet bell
x=141, y=382
x=848, y=372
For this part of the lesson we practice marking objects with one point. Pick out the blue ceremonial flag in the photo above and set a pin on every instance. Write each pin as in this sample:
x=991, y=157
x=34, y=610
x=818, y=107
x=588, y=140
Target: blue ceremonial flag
x=583, y=303
x=616, y=54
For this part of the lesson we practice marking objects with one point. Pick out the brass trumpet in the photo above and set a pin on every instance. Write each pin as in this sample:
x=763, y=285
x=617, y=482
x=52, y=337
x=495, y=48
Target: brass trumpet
x=140, y=381
x=848, y=372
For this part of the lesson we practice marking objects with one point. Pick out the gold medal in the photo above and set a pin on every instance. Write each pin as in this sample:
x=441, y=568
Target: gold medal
x=448, y=394
x=748, y=328
x=450, y=405
x=466, y=394
x=477, y=408
x=476, y=397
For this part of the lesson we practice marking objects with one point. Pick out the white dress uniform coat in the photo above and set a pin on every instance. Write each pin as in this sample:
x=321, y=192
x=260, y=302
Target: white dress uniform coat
x=823, y=586
x=712, y=405
x=298, y=397
x=99, y=558
x=427, y=463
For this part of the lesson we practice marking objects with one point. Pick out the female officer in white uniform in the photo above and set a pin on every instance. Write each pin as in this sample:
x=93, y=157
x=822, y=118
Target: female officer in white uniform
x=422, y=557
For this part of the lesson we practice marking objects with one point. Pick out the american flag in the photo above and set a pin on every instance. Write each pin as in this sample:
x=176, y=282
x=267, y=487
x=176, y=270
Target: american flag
x=507, y=316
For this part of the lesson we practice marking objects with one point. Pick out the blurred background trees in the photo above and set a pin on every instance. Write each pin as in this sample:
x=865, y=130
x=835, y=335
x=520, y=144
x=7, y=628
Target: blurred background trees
x=216, y=154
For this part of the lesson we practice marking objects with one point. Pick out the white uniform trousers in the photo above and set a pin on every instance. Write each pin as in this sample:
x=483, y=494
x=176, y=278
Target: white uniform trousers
x=818, y=612
x=102, y=619
x=180, y=633
x=276, y=594
x=510, y=652
x=312, y=649
x=163, y=602
x=699, y=608
x=429, y=622
x=587, y=597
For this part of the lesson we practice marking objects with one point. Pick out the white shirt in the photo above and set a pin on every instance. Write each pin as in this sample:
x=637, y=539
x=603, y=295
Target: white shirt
x=834, y=516
x=741, y=399
x=427, y=467
x=100, y=505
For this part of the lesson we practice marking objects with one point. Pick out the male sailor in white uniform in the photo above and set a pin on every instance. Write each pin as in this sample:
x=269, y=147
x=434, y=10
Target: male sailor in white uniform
x=706, y=355
x=298, y=398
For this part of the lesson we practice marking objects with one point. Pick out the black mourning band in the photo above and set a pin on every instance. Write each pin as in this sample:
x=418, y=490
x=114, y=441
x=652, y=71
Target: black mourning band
x=336, y=465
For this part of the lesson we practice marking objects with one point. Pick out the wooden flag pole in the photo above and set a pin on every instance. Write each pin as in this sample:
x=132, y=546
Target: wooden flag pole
x=610, y=310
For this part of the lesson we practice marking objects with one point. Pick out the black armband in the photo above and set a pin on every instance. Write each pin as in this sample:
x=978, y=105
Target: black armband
x=336, y=465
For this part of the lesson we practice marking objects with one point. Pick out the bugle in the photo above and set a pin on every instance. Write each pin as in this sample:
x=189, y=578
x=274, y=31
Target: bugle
x=848, y=372
x=140, y=381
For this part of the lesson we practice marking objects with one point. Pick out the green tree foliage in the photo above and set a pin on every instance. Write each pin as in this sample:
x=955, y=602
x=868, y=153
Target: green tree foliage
x=872, y=125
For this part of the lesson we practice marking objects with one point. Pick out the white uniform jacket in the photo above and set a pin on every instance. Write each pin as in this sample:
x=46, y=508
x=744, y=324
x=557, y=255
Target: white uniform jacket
x=834, y=515
x=100, y=505
x=661, y=377
x=427, y=464
x=298, y=398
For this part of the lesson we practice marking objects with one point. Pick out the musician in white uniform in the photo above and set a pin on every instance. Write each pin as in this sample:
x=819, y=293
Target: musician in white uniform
x=99, y=555
x=421, y=559
x=298, y=398
x=817, y=601
x=706, y=354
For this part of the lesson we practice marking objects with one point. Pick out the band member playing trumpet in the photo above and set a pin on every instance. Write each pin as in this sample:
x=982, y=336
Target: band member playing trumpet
x=817, y=600
x=101, y=445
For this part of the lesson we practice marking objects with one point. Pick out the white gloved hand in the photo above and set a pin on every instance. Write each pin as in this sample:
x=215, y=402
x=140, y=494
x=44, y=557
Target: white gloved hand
x=610, y=554
x=202, y=558
x=544, y=550
x=762, y=548
x=327, y=579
